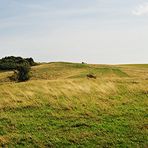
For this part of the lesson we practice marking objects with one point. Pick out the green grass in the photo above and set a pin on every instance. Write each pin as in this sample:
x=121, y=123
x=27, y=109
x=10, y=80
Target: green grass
x=60, y=107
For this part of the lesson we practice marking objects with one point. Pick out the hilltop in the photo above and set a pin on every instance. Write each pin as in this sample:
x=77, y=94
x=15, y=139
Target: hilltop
x=60, y=107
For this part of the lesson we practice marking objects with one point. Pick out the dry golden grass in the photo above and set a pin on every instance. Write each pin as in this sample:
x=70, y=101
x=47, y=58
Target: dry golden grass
x=118, y=96
x=40, y=89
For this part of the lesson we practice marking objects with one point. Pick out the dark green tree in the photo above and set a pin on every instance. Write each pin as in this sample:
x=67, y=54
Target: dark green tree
x=20, y=66
x=23, y=72
x=31, y=61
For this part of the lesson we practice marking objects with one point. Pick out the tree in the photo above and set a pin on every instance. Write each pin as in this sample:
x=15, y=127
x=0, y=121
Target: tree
x=23, y=72
x=31, y=61
x=20, y=66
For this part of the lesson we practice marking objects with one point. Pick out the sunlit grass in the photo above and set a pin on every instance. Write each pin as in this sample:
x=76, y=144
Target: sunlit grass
x=61, y=107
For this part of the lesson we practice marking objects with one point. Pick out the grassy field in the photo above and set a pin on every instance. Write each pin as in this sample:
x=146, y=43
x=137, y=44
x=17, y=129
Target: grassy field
x=61, y=107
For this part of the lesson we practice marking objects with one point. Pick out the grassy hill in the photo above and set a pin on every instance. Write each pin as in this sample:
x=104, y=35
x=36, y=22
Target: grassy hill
x=61, y=107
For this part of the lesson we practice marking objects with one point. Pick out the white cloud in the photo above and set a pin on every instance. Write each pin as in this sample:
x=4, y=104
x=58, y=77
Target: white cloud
x=141, y=10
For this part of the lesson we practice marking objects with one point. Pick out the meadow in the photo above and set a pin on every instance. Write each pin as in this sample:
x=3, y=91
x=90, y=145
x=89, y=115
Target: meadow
x=60, y=107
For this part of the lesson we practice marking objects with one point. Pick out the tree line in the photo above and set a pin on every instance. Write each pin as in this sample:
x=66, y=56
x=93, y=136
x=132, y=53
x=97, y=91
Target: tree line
x=20, y=66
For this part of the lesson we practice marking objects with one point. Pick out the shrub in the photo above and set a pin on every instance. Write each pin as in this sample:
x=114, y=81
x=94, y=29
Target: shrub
x=23, y=72
x=31, y=61
x=11, y=62
x=19, y=65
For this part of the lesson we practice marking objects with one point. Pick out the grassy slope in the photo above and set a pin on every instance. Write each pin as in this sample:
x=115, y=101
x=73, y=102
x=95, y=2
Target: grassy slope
x=60, y=107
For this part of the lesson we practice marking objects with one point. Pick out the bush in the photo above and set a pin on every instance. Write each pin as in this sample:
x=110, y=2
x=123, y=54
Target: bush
x=19, y=65
x=31, y=61
x=23, y=72
x=11, y=62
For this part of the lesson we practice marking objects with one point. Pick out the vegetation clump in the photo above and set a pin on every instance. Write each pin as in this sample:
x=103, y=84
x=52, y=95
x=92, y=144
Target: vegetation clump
x=23, y=72
x=19, y=65
x=91, y=76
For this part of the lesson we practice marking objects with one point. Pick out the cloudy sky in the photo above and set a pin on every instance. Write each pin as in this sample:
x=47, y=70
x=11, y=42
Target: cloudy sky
x=94, y=31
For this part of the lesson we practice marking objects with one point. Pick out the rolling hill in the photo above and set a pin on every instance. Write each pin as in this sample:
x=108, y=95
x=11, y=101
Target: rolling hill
x=61, y=107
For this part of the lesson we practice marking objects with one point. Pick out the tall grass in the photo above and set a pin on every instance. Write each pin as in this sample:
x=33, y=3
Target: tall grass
x=60, y=107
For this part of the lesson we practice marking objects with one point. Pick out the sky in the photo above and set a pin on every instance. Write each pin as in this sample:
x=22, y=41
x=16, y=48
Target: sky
x=92, y=31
